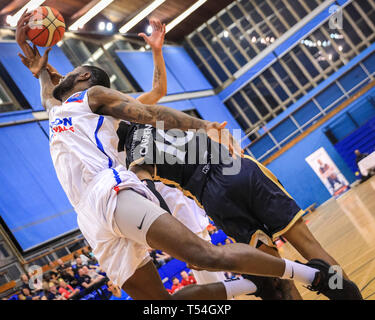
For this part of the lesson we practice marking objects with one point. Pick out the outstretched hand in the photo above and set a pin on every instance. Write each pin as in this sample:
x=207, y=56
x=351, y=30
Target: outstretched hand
x=156, y=39
x=218, y=133
x=35, y=63
x=22, y=28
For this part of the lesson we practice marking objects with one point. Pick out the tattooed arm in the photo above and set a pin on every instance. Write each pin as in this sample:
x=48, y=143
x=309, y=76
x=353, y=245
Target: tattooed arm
x=159, y=85
x=113, y=103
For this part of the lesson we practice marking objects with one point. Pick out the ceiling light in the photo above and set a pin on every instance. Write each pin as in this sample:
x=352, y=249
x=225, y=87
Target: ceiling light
x=101, y=5
x=226, y=34
x=184, y=15
x=101, y=25
x=31, y=5
x=149, y=30
x=109, y=26
x=144, y=13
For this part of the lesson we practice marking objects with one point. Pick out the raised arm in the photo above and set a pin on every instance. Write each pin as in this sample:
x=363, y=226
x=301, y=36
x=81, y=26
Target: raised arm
x=113, y=103
x=159, y=85
x=46, y=89
x=38, y=66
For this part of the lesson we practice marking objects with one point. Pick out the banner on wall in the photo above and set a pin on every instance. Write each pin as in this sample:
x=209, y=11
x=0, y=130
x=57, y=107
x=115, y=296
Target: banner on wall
x=327, y=172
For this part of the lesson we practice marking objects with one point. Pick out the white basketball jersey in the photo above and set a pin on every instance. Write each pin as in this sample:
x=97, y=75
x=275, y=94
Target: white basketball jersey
x=183, y=208
x=82, y=144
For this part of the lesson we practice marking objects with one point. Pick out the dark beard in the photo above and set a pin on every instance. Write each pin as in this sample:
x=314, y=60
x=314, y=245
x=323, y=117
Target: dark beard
x=64, y=87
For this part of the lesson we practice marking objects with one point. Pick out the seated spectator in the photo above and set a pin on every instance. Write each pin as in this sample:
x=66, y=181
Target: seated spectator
x=45, y=292
x=117, y=292
x=25, y=281
x=211, y=229
x=78, y=264
x=26, y=293
x=176, y=285
x=359, y=156
x=67, y=290
x=187, y=279
x=159, y=258
x=75, y=256
x=227, y=241
x=85, y=260
x=54, y=277
x=21, y=297
x=84, y=279
x=53, y=273
x=152, y=254
x=90, y=253
x=69, y=277
x=53, y=294
x=28, y=296
x=88, y=277
x=92, y=273
x=87, y=253
x=61, y=266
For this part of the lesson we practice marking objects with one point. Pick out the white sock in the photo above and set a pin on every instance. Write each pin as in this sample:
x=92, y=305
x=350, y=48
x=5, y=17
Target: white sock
x=299, y=272
x=237, y=286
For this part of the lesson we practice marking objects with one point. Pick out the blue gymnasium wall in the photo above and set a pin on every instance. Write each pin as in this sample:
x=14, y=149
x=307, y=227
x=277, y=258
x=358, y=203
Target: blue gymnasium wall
x=291, y=167
x=32, y=202
x=182, y=73
x=27, y=84
x=183, y=76
x=301, y=181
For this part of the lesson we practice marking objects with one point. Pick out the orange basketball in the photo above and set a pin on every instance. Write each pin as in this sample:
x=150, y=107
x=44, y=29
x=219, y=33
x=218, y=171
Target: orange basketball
x=47, y=27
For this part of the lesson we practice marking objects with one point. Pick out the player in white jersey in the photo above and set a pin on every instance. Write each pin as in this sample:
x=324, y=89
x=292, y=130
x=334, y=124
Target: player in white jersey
x=117, y=214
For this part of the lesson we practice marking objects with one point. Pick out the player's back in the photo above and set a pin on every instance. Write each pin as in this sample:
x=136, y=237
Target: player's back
x=82, y=144
x=180, y=158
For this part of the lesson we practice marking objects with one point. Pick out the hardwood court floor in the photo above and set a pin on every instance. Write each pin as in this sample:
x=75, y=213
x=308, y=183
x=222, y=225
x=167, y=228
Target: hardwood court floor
x=346, y=229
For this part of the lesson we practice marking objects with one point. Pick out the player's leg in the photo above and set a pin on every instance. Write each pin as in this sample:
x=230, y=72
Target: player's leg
x=281, y=214
x=203, y=276
x=287, y=287
x=306, y=244
x=144, y=222
x=145, y=284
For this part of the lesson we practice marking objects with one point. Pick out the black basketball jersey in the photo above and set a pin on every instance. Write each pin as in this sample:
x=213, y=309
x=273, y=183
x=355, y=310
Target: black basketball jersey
x=180, y=157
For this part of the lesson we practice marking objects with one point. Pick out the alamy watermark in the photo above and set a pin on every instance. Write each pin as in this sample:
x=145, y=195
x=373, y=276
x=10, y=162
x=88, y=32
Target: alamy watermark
x=336, y=278
x=36, y=277
x=336, y=20
x=192, y=147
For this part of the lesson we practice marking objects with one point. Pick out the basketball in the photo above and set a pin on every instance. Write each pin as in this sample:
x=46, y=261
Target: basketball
x=47, y=27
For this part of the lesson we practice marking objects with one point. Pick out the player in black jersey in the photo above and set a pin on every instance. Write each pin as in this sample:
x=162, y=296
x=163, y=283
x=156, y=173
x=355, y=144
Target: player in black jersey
x=248, y=202
x=242, y=196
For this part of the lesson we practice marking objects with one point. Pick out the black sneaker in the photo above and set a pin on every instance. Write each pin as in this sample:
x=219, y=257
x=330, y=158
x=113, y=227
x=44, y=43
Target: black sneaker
x=267, y=288
x=320, y=284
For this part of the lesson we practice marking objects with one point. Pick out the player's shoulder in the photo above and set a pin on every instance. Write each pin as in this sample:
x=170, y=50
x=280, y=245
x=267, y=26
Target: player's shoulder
x=97, y=91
